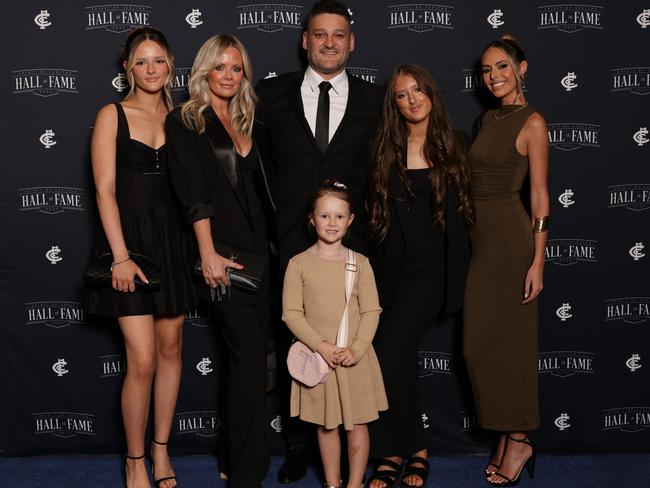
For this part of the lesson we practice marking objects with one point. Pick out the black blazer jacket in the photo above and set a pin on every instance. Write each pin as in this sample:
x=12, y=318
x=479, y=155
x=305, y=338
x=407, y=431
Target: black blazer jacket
x=296, y=164
x=390, y=252
x=203, y=173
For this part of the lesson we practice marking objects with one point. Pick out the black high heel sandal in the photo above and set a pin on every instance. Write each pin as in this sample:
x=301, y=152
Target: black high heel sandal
x=529, y=464
x=133, y=458
x=421, y=472
x=493, y=453
x=390, y=477
x=157, y=482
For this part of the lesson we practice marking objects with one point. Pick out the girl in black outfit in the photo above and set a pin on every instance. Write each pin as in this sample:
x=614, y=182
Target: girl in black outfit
x=419, y=204
x=219, y=179
x=139, y=214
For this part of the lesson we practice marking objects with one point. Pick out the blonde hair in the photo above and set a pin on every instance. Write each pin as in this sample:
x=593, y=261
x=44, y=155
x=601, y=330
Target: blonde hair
x=241, y=105
x=133, y=40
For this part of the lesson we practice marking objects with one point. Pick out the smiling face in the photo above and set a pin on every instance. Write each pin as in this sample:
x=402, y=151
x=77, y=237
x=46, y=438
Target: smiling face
x=328, y=42
x=331, y=218
x=225, y=79
x=150, y=69
x=411, y=101
x=501, y=76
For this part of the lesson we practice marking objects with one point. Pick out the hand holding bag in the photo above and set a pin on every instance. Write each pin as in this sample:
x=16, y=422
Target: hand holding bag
x=100, y=272
x=307, y=366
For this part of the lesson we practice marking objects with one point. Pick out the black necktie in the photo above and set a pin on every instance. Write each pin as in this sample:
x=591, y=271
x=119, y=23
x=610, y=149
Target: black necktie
x=323, y=116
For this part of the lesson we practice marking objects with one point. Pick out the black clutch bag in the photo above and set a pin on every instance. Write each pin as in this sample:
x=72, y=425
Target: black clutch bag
x=99, y=272
x=254, y=263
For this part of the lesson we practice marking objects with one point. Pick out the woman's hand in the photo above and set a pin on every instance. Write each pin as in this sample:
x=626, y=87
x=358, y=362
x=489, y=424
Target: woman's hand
x=328, y=351
x=124, y=274
x=214, y=266
x=534, y=282
x=345, y=356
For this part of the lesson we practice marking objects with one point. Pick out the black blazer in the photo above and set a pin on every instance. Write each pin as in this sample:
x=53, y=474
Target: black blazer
x=296, y=164
x=390, y=252
x=203, y=173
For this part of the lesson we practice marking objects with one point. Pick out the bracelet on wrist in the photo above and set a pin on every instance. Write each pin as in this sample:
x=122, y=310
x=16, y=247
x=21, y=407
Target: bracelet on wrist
x=540, y=224
x=115, y=263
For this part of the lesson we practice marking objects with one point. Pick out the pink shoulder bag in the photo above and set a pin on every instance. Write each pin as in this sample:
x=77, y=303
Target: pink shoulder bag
x=308, y=366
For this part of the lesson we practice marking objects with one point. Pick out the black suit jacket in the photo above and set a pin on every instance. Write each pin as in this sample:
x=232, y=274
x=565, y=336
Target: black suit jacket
x=390, y=253
x=296, y=165
x=202, y=169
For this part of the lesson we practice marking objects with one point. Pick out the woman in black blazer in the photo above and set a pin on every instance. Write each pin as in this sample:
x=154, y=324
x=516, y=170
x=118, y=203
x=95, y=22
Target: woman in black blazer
x=219, y=179
x=419, y=206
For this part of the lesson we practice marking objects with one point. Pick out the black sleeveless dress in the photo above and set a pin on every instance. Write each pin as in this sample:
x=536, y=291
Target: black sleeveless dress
x=152, y=226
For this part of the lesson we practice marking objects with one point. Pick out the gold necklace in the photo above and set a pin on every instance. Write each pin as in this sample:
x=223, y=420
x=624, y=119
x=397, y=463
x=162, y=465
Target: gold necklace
x=511, y=113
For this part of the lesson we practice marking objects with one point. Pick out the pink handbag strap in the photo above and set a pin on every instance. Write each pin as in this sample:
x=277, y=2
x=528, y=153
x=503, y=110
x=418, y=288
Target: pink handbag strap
x=350, y=270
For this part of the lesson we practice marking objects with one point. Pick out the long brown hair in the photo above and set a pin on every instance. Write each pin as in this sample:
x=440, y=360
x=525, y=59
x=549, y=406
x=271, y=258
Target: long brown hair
x=442, y=151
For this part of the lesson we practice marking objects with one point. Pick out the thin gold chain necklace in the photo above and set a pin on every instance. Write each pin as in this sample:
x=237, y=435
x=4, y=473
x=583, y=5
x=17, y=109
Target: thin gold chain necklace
x=496, y=116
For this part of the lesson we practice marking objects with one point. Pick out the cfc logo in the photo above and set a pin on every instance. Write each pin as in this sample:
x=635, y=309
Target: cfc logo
x=563, y=312
x=633, y=362
x=644, y=18
x=494, y=19
x=641, y=136
x=203, y=366
x=566, y=198
x=568, y=82
x=47, y=138
x=54, y=255
x=120, y=82
x=41, y=20
x=276, y=424
x=636, y=251
x=59, y=367
x=562, y=422
x=193, y=18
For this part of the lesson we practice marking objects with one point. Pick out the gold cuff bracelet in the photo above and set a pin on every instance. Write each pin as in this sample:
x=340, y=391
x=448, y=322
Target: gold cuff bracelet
x=540, y=225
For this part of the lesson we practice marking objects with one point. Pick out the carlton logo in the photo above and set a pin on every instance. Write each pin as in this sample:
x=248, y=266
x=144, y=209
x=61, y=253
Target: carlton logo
x=201, y=423
x=636, y=251
x=472, y=79
x=272, y=17
x=566, y=252
x=641, y=136
x=181, y=79
x=573, y=135
x=42, y=20
x=644, y=18
x=634, y=80
x=568, y=82
x=117, y=18
x=630, y=419
x=47, y=139
x=420, y=17
x=55, y=314
x=45, y=82
x=64, y=424
x=198, y=317
x=50, y=199
x=203, y=366
x=112, y=365
x=563, y=312
x=194, y=18
x=276, y=424
x=633, y=362
x=54, y=255
x=494, y=19
x=562, y=422
x=633, y=197
x=566, y=198
x=630, y=310
x=430, y=363
x=59, y=367
x=467, y=421
x=120, y=82
x=570, y=18
x=368, y=74
x=563, y=364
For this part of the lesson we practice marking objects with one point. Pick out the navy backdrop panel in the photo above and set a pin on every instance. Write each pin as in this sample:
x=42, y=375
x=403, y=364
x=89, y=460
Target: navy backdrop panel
x=589, y=74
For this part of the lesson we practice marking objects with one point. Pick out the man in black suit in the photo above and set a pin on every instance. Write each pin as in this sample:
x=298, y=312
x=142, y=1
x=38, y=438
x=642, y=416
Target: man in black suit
x=319, y=124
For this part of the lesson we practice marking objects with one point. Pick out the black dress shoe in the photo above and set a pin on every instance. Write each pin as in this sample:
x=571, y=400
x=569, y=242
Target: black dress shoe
x=295, y=465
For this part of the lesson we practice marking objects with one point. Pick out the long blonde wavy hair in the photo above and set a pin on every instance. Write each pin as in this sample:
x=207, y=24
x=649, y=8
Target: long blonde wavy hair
x=242, y=104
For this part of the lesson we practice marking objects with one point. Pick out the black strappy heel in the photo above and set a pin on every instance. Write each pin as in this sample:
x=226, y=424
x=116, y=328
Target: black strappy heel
x=390, y=477
x=133, y=458
x=166, y=478
x=529, y=464
x=421, y=472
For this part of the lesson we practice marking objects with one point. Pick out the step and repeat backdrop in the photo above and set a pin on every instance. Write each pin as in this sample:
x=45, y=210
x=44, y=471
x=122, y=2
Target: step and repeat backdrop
x=589, y=74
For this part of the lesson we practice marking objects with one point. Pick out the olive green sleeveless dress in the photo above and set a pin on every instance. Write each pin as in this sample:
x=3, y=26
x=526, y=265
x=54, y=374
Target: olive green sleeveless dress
x=500, y=334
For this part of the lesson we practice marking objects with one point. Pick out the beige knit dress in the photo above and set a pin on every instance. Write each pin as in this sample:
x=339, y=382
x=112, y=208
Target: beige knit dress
x=313, y=300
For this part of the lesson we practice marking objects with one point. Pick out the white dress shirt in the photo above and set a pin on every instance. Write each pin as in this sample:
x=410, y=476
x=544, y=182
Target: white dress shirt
x=338, y=98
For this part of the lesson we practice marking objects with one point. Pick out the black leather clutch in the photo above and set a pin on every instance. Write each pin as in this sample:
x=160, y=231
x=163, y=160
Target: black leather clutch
x=99, y=272
x=254, y=263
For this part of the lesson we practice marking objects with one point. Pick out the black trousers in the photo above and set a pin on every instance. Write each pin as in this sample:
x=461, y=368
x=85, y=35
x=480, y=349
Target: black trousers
x=245, y=392
x=417, y=304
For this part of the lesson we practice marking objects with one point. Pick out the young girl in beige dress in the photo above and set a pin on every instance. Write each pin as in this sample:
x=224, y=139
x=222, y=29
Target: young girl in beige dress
x=312, y=304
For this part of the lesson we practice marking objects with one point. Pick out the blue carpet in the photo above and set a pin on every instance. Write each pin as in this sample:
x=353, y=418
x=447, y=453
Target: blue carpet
x=603, y=471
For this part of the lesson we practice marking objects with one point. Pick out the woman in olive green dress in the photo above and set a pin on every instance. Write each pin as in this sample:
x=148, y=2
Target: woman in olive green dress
x=506, y=269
